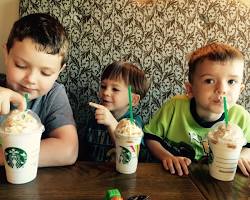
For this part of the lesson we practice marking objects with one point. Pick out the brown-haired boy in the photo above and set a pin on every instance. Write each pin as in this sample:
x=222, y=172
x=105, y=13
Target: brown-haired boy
x=99, y=136
x=175, y=133
x=35, y=54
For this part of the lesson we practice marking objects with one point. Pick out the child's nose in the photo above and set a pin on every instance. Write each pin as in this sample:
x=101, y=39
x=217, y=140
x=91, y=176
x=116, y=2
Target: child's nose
x=221, y=88
x=107, y=92
x=30, y=77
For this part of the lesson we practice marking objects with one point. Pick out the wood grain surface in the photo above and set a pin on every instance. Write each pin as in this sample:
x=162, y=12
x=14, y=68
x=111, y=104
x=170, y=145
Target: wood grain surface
x=213, y=189
x=89, y=181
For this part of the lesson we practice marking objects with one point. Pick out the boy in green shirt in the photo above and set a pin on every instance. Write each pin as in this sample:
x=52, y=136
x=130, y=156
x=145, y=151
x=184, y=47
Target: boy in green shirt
x=176, y=132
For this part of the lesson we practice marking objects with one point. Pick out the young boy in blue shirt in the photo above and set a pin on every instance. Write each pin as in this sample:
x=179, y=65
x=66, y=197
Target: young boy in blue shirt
x=175, y=133
x=99, y=139
x=35, y=54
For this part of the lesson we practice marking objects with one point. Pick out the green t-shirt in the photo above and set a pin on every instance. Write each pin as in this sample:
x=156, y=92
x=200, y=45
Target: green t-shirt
x=174, y=123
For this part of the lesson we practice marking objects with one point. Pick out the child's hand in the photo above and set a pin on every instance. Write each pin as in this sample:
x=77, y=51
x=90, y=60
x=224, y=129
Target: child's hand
x=103, y=115
x=244, y=161
x=6, y=97
x=177, y=164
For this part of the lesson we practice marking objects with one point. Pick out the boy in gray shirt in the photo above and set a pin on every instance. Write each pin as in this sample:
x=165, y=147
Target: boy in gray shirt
x=35, y=54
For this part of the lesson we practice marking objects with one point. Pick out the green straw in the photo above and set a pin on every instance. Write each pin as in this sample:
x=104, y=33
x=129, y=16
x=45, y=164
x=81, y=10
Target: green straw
x=26, y=96
x=225, y=110
x=130, y=104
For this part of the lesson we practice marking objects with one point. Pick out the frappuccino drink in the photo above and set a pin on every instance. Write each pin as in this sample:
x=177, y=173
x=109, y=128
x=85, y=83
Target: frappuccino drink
x=225, y=143
x=21, y=134
x=128, y=139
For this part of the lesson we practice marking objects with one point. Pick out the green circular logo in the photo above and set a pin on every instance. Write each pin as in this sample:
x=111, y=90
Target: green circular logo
x=15, y=157
x=125, y=156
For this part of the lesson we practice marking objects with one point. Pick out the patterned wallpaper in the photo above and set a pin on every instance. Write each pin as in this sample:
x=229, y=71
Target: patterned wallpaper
x=157, y=36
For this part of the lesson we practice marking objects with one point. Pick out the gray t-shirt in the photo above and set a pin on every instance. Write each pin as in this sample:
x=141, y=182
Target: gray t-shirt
x=53, y=108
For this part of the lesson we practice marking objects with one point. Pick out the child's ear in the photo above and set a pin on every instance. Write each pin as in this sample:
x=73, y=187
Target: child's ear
x=135, y=99
x=189, y=92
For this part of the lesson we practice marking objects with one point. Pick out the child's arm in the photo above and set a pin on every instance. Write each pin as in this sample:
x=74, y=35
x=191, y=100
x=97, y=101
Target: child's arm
x=170, y=162
x=244, y=161
x=105, y=117
x=8, y=96
x=61, y=148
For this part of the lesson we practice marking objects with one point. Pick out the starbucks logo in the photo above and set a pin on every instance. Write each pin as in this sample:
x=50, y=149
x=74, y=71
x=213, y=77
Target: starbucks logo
x=125, y=156
x=15, y=157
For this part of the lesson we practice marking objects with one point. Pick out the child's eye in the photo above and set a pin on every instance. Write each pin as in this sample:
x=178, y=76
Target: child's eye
x=209, y=81
x=20, y=66
x=46, y=74
x=103, y=86
x=232, y=82
x=115, y=89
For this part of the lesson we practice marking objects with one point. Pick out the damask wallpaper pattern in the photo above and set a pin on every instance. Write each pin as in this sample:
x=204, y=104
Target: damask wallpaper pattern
x=157, y=36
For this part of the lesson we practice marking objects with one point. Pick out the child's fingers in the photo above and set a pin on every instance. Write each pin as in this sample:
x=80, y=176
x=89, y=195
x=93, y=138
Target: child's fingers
x=18, y=100
x=187, y=161
x=95, y=105
x=9, y=96
x=175, y=165
x=165, y=164
x=247, y=165
x=242, y=167
x=5, y=108
x=178, y=166
x=168, y=164
x=184, y=167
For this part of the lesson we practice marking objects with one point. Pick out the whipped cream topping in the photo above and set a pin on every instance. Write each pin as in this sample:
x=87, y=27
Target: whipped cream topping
x=19, y=122
x=126, y=128
x=231, y=135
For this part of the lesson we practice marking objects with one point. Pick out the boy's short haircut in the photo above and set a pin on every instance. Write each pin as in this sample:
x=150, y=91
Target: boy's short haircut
x=45, y=31
x=215, y=52
x=130, y=74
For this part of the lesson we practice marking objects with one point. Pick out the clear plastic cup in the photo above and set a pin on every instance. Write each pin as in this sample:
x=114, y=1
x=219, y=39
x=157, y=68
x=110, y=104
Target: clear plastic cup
x=21, y=146
x=224, y=150
x=128, y=140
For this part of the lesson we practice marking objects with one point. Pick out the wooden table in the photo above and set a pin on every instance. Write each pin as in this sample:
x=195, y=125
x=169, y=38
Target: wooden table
x=238, y=189
x=90, y=181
